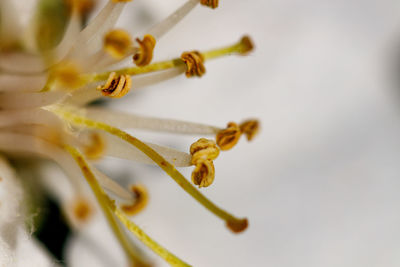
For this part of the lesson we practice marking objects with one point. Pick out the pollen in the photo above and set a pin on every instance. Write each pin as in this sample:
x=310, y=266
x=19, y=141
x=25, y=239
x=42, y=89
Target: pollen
x=210, y=3
x=117, y=43
x=194, y=63
x=96, y=148
x=250, y=128
x=116, y=86
x=203, y=153
x=145, y=54
x=141, y=200
x=228, y=138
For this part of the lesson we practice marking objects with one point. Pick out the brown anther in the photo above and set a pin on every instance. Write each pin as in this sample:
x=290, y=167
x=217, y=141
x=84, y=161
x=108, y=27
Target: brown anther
x=116, y=86
x=145, y=54
x=82, y=210
x=250, y=128
x=204, y=173
x=203, y=149
x=237, y=226
x=96, y=148
x=246, y=45
x=227, y=138
x=194, y=63
x=117, y=43
x=209, y=3
x=141, y=200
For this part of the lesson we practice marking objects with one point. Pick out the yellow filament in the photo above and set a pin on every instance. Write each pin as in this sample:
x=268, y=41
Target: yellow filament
x=109, y=208
x=239, y=223
x=133, y=253
x=242, y=47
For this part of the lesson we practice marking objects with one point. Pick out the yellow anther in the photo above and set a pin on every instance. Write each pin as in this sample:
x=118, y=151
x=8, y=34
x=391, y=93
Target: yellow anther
x=203, y=152
x=141, y=200
x=96, y=148
x=228, y=137
x=246, y=45
x=83, y=7
x=117, y=43
x=81, y=210
x=145, y=54
x=209, y=3
x=194, y=63
x=238, y=226
x=116, y=86
x=67, y=74
x=203, y=149
x=250, y=128
x=204, y=173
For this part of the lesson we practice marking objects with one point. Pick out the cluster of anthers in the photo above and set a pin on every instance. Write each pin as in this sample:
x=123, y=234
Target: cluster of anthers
x=48, y=78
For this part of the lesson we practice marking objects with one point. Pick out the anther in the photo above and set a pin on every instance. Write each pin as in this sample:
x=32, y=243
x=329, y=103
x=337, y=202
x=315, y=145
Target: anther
x=237, y=226
x=203, y=152
x=117, y=43
x=83, y=7
x=227, y=138
x=250, y=128
x=116, y=86
x=246, y=45
x=204, y=173
x=145, y=54
x=141, y=200
x=96, y=148
x=209, y=3
x=81, y=210
x=194, y=63
x=203, y=149
x=67, y=74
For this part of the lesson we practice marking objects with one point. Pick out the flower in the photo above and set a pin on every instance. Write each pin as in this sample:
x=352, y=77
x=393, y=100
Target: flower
x=48, y=80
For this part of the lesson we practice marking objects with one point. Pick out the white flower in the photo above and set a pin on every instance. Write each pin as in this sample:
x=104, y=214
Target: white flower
x=50, y=74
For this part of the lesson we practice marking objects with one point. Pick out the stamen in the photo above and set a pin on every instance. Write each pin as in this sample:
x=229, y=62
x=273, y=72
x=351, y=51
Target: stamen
x=203, y=153
x=243, y=47
x=132, y=252
x=145, y=54
x=116, y=86
x=158, y=159
x=250, y=128
x=96, y=148
x=117, y=43
x=194, y=63
x=132, y=121
x=210, y=3
x=228, y=138
x=140, y=202
x=109, y=207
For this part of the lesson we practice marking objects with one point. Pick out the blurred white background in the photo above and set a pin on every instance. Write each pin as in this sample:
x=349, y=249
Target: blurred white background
x=320, y=185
